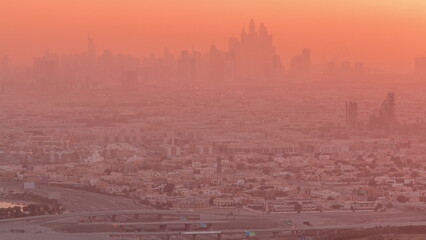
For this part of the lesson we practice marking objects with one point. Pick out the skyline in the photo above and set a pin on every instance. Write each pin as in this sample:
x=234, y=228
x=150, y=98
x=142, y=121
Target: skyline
x=202, y=119
x=366, y=30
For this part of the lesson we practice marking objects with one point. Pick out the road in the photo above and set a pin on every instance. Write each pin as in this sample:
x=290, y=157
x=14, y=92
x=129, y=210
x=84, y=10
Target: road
x=72, y=199
x=36, y=226
x=84, y=204
x=98, y=236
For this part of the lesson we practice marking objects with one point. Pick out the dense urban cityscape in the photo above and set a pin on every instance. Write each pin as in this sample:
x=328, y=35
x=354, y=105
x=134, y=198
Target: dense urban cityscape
x=220, y=144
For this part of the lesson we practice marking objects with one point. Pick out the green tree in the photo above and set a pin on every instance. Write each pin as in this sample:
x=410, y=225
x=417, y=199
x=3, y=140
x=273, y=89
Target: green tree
x=169, y=188
x=401, y=199
x=298, y=207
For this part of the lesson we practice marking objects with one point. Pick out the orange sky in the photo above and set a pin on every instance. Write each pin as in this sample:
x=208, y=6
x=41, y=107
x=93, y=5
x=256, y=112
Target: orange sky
x=382, y=33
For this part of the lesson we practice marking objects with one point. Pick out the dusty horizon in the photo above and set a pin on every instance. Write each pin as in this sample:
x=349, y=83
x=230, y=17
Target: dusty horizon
x=225, y=119
x=387, y=35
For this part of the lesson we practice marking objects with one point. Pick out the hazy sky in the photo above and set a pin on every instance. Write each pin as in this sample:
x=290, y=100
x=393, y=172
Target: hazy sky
x=382, y=33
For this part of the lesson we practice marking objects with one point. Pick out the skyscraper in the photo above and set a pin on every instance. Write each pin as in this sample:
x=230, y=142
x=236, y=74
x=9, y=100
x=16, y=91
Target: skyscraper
x=387, y=112
x=91, y=51
x=352, y=115
x=386, y=118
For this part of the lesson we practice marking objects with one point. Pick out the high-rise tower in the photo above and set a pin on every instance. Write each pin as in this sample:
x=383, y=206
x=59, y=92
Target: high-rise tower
x=352, y=115
x=91, y=50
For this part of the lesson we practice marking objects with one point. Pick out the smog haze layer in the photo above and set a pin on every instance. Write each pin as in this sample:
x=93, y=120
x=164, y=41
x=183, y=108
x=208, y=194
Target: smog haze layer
x=386, y=34
x=225, y=119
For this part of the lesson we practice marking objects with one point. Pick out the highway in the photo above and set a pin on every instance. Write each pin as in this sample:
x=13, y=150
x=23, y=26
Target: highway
x=158, y=223
x=48, y=227
x=35, y=227
x=107, y=235
x=72, y=198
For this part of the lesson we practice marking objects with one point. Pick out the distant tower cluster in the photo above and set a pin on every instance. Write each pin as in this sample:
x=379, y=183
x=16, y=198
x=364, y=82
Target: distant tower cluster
x=352, y=115
x=255, y=56
x=250, y=59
